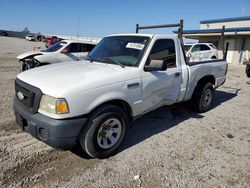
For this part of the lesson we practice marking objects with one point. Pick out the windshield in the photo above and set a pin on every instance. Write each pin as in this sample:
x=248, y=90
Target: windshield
x=55, y=47
x=187, y=47
x=120, y=50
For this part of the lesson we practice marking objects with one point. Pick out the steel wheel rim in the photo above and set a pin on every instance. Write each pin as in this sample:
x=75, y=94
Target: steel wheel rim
x=109, y=133
x=207, y=97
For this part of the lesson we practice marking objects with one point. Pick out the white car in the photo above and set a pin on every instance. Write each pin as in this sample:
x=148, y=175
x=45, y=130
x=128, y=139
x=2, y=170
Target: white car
x=30, y=38
x=93, y=101
x=65, y=50
x=200, y=51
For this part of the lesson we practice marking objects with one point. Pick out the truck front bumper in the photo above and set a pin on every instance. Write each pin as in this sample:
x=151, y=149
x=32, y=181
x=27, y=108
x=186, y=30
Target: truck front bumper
x=60, y=134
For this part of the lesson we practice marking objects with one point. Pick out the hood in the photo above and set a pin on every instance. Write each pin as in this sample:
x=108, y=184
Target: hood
x=30, y=53
x=56, y=79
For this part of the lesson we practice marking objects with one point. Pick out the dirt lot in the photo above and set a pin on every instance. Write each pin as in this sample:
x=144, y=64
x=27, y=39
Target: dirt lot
x=170, y=147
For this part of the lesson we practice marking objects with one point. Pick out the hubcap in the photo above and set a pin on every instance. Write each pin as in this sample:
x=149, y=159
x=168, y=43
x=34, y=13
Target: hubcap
x=109, y=133
x=207, y=97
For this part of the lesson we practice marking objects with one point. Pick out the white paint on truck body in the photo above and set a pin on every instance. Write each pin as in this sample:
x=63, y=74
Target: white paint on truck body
x=86, y=85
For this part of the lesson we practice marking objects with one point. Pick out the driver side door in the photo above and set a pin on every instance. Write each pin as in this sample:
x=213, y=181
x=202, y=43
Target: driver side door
x=161, y=87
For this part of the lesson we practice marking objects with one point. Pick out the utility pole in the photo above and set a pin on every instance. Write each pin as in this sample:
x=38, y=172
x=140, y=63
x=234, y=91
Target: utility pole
x=77, y=33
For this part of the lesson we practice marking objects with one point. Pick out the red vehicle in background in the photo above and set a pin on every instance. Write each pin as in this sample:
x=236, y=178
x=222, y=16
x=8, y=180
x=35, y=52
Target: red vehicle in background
x=51, y=40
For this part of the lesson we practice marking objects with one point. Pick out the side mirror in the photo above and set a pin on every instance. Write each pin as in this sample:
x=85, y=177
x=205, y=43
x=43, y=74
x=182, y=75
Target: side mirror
x=65, y=51
x=155, y=65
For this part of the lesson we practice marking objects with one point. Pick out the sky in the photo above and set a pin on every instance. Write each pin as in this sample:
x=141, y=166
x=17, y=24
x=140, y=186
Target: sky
x=98, y=18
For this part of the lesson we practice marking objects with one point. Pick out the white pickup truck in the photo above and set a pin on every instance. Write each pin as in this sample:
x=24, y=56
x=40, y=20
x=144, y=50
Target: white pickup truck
x=62, y=51
x=124, y=77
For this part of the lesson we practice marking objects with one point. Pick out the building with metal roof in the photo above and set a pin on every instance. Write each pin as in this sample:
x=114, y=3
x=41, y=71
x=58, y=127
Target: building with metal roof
x=236, y=37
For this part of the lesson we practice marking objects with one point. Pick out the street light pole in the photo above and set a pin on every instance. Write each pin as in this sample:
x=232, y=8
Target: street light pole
x=77, y=34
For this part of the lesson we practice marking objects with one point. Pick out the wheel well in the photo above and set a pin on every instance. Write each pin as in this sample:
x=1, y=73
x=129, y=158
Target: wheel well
x=213, y=57
x=207, y=79
x=121, y=104
x=202, y=82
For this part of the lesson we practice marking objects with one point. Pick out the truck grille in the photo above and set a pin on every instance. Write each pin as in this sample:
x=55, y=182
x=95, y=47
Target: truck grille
x=28, y=95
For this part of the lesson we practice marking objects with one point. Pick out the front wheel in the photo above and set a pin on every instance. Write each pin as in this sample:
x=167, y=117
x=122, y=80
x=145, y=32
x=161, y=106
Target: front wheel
x=248, y=70
x=203, y=97
x=104, y=132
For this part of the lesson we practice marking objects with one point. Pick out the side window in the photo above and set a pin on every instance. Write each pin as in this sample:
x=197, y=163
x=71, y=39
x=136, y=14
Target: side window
x=83, y=47
x=195, y=48
x=164, y=49
x=204, y=47
x=73, y=48
x=89, y=47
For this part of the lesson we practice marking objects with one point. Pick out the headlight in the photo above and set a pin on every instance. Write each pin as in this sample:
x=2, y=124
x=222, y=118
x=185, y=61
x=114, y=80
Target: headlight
x=53, y=105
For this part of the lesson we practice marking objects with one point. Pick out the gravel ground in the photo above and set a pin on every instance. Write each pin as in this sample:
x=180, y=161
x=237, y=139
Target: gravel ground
x=170, y=147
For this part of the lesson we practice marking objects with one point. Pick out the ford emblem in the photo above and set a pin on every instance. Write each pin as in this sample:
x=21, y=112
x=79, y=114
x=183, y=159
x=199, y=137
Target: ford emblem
x=20, y=95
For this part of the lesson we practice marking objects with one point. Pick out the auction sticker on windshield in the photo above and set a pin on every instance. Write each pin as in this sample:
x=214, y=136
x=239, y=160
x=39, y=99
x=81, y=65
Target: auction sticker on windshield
x=137, y=46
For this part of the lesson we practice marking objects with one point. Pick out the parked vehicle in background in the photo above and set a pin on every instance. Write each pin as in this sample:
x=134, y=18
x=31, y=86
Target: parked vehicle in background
x=124, y=77
x=4, y=34
x=51, y=40
x=40, y=37
x=248, y=69
x=200, y=51
x=65, y=50
x=30, y=38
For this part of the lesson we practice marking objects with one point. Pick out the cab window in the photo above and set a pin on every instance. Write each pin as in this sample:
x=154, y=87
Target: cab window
x=164, y=49
x=204, y=47
x=79, y=47
x=89, y=47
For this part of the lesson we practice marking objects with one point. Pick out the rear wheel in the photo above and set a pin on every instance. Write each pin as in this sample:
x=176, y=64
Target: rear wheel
x=104, y=132
x=203, y=97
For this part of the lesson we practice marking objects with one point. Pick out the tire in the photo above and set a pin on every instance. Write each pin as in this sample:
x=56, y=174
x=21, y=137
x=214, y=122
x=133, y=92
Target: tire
x=213, y=57
x=203, y=97
x=248, y=75
x=248, y=70
x=104, y=132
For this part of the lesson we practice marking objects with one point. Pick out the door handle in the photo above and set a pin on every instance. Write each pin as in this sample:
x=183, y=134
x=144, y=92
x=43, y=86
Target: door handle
x=177, y=74
x=137, y=84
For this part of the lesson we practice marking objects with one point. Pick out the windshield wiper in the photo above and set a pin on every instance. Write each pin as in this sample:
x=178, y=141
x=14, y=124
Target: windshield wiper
x=114, y=61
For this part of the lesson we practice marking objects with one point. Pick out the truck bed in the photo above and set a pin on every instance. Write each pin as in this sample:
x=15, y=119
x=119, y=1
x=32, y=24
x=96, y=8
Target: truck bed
x=197, y=70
